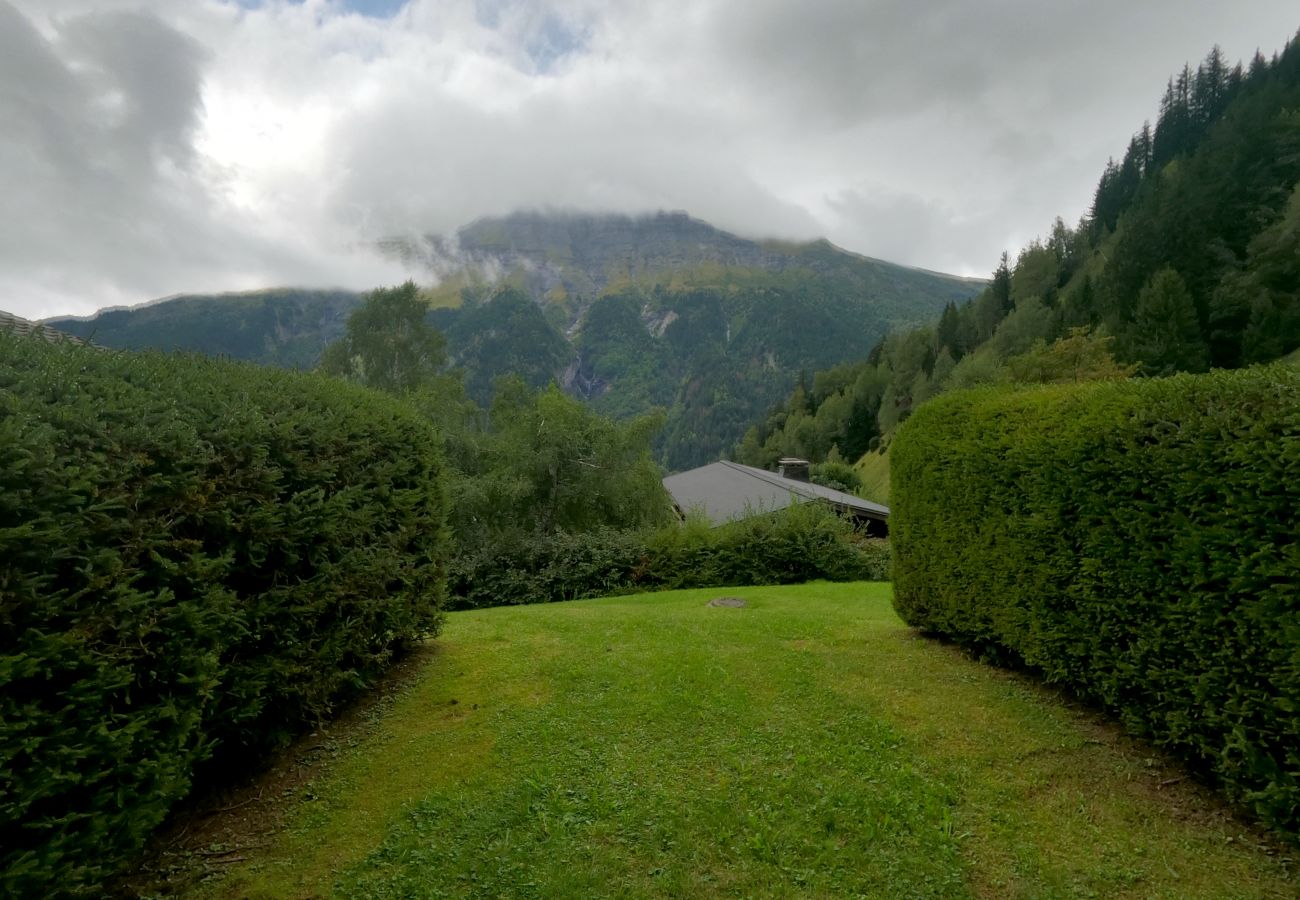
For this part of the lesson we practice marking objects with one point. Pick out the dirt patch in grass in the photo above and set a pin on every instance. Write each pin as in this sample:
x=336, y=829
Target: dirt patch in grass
x=219, y=828
x=727, y=602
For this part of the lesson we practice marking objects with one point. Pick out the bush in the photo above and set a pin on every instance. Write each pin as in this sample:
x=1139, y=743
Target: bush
x=837, y=475
x=545, y=568
x=1136, y=541
x=797, y=544
x=196, y=559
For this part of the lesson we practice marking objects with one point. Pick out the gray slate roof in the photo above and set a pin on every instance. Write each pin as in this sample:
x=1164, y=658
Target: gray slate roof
x=726, y=491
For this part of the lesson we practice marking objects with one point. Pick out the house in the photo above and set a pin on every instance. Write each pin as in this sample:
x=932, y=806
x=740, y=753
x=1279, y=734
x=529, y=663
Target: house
x=727, y=491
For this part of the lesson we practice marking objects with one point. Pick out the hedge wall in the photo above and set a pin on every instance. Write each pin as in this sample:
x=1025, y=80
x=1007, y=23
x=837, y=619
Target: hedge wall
x=798, y=544
x=1137, y=541
x=196, y=559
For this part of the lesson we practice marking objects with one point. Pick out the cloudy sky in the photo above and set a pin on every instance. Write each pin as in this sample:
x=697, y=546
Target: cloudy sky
x=151, y=147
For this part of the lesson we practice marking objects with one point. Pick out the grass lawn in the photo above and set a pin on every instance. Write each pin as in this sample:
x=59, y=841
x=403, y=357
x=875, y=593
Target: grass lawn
x=806, y=745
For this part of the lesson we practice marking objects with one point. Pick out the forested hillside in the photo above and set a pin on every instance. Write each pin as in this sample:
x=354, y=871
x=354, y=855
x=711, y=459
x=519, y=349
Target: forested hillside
x=1188, y=259
x=283, y=327
x=626, y=313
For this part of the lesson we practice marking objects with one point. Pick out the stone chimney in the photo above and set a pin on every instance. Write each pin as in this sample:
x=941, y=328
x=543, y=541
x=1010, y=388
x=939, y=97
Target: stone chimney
x=794, y=469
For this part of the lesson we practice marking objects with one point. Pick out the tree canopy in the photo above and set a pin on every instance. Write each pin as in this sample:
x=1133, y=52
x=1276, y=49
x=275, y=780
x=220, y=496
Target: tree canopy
x=389, y=344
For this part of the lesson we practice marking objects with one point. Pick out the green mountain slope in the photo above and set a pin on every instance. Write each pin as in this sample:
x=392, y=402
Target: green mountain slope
x=626, y=312
x=667, y=311
x=284, y=327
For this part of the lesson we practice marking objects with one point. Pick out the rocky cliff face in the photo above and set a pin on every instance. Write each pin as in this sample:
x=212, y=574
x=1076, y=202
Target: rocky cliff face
x=573, y=259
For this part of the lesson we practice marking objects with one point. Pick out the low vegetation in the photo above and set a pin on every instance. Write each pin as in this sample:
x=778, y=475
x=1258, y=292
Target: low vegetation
x=798, y=544
x=807, y=744
x=1134, y=541
x=196, y=558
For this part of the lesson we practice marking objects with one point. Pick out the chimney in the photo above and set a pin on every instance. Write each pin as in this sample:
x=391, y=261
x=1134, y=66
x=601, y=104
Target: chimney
x=794, y=469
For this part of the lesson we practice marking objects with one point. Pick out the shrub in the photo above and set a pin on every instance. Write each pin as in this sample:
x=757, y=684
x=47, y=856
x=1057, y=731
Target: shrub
x=196, y=558
x=836, y=474
x=544, y=568
x=1136, y=541
x=797, y=544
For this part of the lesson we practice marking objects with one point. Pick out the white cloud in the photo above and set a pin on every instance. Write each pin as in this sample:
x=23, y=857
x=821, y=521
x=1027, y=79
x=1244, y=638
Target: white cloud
x=157, y=146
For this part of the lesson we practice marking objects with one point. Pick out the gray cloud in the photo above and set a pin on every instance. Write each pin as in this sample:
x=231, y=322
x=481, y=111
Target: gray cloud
x=155, y=146
x=409, y=168
x=104, y=197
x=88, y=137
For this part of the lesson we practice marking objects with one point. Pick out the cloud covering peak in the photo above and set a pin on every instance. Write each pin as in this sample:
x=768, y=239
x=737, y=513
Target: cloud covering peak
x=153, y=146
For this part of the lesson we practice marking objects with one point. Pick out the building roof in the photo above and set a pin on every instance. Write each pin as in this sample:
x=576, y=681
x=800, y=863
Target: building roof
x=17, y=325
x=726, y=491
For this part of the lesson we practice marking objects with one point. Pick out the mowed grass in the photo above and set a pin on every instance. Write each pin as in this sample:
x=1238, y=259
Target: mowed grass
x=806, y=745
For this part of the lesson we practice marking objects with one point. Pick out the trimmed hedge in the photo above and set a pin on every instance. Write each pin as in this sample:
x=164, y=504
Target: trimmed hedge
x=795, y=545
x=1138, y=541
x=197, y=558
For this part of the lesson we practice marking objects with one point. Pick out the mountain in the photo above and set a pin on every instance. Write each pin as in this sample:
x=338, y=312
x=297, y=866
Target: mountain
x=282, y=327
x=566, y=260
x=627, y=312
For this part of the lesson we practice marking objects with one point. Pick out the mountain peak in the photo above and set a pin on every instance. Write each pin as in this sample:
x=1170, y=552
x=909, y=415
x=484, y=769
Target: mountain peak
x=578, y=256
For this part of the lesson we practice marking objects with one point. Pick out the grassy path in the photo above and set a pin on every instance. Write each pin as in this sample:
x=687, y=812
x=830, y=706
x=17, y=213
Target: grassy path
x=806, y=745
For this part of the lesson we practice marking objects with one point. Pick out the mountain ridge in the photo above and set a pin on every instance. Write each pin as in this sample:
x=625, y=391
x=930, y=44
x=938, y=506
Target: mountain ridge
x=560, y=255
x=627, y=312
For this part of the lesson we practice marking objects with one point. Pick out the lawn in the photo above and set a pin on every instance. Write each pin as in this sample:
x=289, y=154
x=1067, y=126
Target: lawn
x=808, y=744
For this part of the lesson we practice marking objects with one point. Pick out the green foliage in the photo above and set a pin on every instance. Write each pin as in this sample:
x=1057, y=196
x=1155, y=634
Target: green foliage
x=1134, y=540
x=836, y=474
x=1165, y=334
x=543, y=462
x=625, y=369
x=982, y=366
x=734, y=354
x=838, y=415
x=1031, y=321
x=196, y=559
x=1265, y=293
x=388, y=344
x=541, y=568
x=506, y=334
x=797, y=544
x=1083, y=355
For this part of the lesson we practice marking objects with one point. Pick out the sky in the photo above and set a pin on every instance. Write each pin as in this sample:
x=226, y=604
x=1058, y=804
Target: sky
x=154, y=147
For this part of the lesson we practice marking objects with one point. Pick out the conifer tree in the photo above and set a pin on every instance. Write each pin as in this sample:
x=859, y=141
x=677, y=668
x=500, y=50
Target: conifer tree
x=949, y=333
x=1165, y=336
